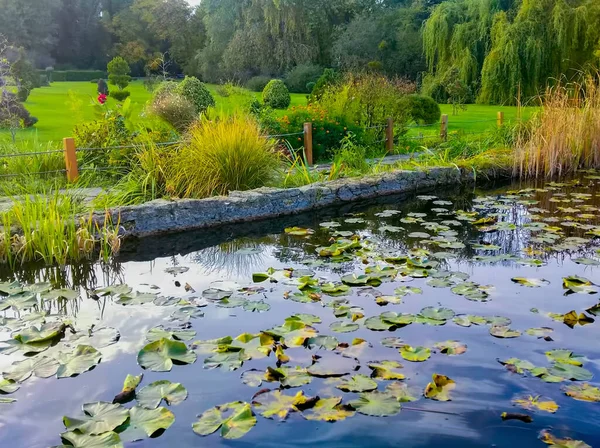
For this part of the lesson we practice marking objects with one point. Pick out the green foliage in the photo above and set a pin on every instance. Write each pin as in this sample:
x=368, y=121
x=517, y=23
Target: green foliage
x=298, y=78
x=102, y=87
x=13, y=114
x=72, y=75
x=25, y=76
x=196, y=93
x=120, y=95
x=329, y=78
x=118, y=72
x=257, y=83
x=328, y=129
x=276, y=95
x=233, y=154
x=423, y=109
x=165, y=88
x=175, y=110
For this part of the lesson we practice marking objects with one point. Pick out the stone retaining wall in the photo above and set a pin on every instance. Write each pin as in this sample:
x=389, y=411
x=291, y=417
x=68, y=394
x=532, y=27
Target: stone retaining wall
x=163, y=216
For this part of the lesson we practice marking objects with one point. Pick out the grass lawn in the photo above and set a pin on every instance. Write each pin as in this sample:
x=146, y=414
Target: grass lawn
x=64, y=104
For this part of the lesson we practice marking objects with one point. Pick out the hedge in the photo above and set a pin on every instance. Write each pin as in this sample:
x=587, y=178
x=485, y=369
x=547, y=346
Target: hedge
x=74, y=75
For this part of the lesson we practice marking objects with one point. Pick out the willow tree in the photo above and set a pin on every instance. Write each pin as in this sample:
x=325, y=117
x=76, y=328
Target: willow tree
x=546, y=40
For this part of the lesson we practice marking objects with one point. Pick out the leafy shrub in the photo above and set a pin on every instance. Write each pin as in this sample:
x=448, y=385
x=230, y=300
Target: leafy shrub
x=72, y=75
x=175, y=110
x=310, y=86
x=257, y=83
x=118, y=72
x=328, y=130
x=328, y=78
x=165, y=88
x=102, y=87
x=23, y=93
x=120, y=95
x=13, y=114
x=351, y=155
x=297, y=78
x=44, y=81
x=196, y=93
x=151, y=83
x=232, y=153
x=423, y=109
x=277, y=95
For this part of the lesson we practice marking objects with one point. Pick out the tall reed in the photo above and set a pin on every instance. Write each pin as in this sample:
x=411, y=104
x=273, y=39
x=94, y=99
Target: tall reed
x=565, y=134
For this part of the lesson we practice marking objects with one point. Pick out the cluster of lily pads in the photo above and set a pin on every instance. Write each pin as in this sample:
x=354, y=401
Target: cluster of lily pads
x=53, y=344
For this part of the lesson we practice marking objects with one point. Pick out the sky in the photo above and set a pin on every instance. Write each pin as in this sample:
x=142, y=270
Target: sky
x=193, y=2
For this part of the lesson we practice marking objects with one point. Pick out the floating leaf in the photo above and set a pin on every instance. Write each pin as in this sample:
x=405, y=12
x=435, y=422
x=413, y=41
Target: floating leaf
x=451, y=347
x=136, y=298
x=415, y=354
x=434, y=313
x=98, y=418
x=565, y=357
x=549, y=439
x=151, y=396
x=530, y=282
x=256, y=306
x=253, y=377
x=583, y=392
x=532, y=403
x=328, y=410
x=504, y=332
x=127, y=394
x=80, y=360
x=298, y=231
x=439, y=389
x=570, y=372
x=8, y=386
x=19, y=301
x=541, y=332
x=378, y=404
x=288, y=376
x=178, y=334
x=344, y=327
x=274, y=403
x=145, y=423
x=401, y=392
x=357, y=383
x=393, y=342
x=586, y=261
x=227, y=361
x=105, y=440
x=40, y=366
x=325, y=342
x=67, y=294
x=331, y=365
x=185, y=313
x=386, y=370
x=234, y=419
x=306, y=319
x=159, y=356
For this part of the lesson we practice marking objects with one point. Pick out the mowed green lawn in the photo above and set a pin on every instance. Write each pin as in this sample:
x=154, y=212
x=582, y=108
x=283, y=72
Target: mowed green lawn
x=63, y=105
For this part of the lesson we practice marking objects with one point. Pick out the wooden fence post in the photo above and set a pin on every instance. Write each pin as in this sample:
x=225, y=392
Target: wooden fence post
x=308, y=143
x=500, y=119
x=70, y=159
x=444, y=128
x=389, y=135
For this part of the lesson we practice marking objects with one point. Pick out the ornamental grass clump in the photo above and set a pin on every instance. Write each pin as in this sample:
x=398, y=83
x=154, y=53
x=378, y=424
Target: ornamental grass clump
x=565, y=135
x=222, y=156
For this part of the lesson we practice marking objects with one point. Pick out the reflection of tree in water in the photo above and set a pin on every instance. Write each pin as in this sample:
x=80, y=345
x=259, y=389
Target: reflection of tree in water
x=239, y=257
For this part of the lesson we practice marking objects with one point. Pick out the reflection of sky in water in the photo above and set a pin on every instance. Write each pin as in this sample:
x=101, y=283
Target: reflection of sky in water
x=484, y=388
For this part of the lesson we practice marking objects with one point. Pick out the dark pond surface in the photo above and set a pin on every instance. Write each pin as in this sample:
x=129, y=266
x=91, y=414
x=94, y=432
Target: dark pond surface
x=491, y=236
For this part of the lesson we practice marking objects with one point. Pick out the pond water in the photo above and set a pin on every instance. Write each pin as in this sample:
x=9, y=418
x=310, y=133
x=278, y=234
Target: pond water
x=428, y=261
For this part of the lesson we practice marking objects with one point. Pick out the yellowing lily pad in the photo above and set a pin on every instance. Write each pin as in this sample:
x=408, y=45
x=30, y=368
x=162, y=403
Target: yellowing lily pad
x=328, y=410
x=378, y=404
x=530, y=282
x=234, y=419
x=532, y=403
x=440, y=387
x=504, y=332
x=275, y=403
x=583, y=392
x=415, y=354
x=549, y=439
x=386, y=370
x=401, y=392
x=357, y=383
x=159, y=356
x=451, y=347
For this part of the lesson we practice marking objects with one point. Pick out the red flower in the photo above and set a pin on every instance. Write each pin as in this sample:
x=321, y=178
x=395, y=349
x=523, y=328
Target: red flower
x=102, y=98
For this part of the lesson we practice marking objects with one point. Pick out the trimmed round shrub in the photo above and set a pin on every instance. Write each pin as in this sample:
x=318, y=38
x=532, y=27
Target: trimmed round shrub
x=196, y=93
x=424, y=109
x=277, y=95
x=297, y=78
x=102, y=87
x=258, y=83
x=165, y=88
x=120, y=95
x=310, y=86
x=175, y=110
x=226, y=155
x=13, y=113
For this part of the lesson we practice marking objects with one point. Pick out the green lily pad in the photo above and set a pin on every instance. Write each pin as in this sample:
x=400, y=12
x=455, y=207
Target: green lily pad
x=344, y=327
x=144, y=423
x=20, y=301
x=256, y=306
x=253, y=377
x=227, y=361
x=178, y=334
x=54, y=294
x=357, y=383
x=185, y=313
x=541, y=332
x=565, y=357
x=127, y=394
x=159, y=356
x=530, y=282
x=335, y=289
x=393, y=342
x=439, y=388
x=275, y=403
x=451, y=347
x=234, y=419
x=153, y=394
x=401, y=392
x=415, y=354
x=288, y=376
x=434, y=313
x=40, y=366
x=586, y=261
x=114, y=290
x=321, y=341
x=108, y=439
x=503, y=332
x=307, y=319
x=331, y=365
x=80, y=360
x=583, y=392
x=136, y=298
x=570, y=372
x=517, y=365
x=98, y=418
x=328, y=410
x=8, y=386
x=386, y=370
x=377, y=404
x=299, y=231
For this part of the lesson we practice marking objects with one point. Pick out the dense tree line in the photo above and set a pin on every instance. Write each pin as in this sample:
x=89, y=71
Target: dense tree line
x=490, y=50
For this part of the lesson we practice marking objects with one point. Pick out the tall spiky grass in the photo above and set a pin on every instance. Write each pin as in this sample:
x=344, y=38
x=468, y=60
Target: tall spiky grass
x=565, y=134
x=221, y=156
